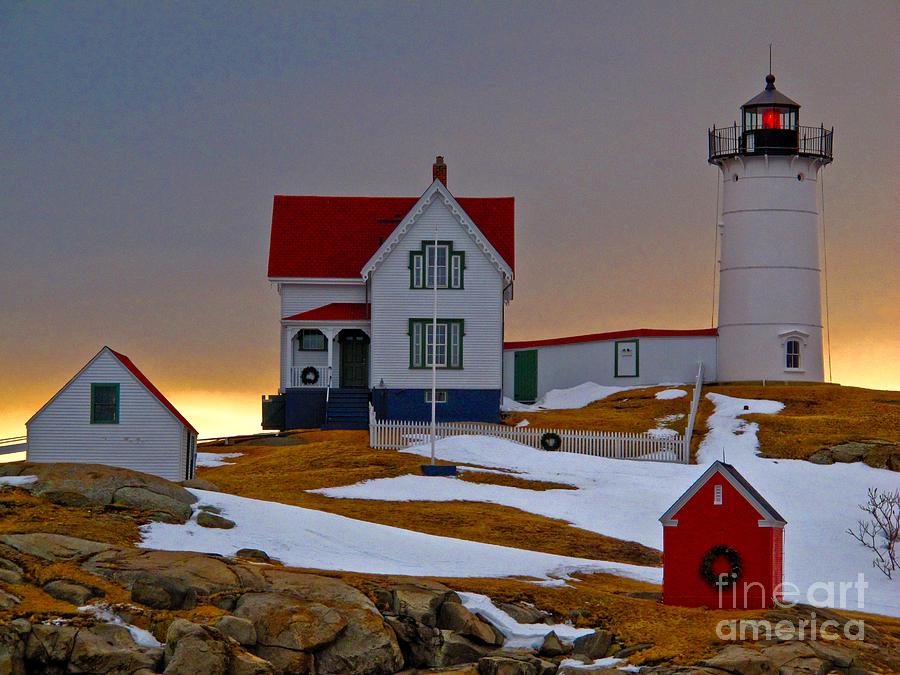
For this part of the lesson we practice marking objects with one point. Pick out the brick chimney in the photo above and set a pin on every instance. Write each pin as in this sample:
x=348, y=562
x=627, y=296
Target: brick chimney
x=439, y=170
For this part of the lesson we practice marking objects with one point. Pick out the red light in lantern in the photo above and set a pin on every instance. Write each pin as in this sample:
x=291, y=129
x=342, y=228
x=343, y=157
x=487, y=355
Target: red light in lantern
x=771, y=119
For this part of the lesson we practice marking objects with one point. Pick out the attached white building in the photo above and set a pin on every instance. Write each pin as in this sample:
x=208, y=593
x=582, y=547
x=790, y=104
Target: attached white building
x=625, y=358
x=110, y=413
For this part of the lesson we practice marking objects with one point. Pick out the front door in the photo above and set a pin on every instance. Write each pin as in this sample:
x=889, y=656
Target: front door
x=525, y=375
x=354, y=358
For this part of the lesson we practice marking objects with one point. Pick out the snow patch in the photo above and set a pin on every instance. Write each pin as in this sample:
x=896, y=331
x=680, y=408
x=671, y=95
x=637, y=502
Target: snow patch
x=104, y=613
x=597, y=664
x=302, y=537
x=669, y=394
x=211, y=459
x=519, y=635
x=565, y=399
x=16, y=481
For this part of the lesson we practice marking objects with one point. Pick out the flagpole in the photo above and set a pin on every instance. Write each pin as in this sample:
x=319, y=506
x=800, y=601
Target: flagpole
x=434, y=332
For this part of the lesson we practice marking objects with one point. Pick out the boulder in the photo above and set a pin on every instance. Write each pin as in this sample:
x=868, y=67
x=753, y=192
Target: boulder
x=287, y=661
x=420, y=643
x=850, y=452
x=515, y=664
x=12, y=650
x=734, y=659
x=244, y=663
x=286, y=622
x=191, y=649
x=199, y=484
x=162, y=592
x=107, y=648
x=625, y=652
x=238, y=629
x=553, y=646
x=524, y=613
x=163, y=506
x=593, y=646
x=210, y=508
x=48, y=647
x=53, y=547
x=252, y=554
x=74, y=484
x=822, y=456
x=454, y=616
x=456, y=650
x=69, y=591
x=840, y=657
x=420, y=600
x=209, y=519
x=10, y=577
x=8, y=600
x=367, y=644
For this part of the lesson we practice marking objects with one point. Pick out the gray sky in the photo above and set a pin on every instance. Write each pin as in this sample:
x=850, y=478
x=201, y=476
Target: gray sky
x=142, y=144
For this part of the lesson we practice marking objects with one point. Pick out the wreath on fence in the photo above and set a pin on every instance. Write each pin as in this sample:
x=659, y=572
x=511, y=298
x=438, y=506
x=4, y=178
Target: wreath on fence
x=551, y=441
x=724, y=580
x=310, y=375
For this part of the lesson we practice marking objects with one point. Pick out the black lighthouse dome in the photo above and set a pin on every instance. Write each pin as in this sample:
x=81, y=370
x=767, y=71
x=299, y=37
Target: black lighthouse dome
x=770, y=125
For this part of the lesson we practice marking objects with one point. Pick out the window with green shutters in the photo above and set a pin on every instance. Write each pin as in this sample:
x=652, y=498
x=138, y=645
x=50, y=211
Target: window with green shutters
x=441, y=261
x=104, y=403
x=446, y=343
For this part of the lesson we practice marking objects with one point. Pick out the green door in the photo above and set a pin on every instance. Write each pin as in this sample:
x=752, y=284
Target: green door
x=525, y=385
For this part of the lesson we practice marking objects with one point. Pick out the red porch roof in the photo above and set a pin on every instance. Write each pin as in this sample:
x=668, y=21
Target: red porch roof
x=333, y=237
x=128, y=363
x=615, y=335
x=336, y=311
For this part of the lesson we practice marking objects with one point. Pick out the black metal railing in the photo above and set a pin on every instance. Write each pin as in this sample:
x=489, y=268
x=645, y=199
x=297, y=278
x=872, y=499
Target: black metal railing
x=738, y=140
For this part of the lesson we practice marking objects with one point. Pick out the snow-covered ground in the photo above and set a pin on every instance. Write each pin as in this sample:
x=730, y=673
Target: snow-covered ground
x=624, y=499
x=308, y=538
x=669, y=394
x=211, y=459
x=564, y=399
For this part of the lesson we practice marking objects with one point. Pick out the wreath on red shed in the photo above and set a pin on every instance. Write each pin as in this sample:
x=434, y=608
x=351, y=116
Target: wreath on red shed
x=726, y=579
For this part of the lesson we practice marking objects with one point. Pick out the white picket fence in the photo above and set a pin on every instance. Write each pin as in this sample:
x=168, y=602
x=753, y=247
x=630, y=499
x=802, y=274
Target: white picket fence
x=395, y=435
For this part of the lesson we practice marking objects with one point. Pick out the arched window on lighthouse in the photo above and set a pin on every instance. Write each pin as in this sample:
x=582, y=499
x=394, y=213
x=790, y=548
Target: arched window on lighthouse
x=792, y=354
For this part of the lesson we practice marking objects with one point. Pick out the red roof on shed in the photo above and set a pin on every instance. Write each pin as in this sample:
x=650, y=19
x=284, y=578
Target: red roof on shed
x=615, y=335
x=129, y=364
x=333, y=237
x=336, y=311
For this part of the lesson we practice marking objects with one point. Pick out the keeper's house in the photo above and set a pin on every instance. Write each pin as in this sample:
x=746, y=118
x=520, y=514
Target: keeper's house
x=356, y=277
x=638, y=357
x=110, y=413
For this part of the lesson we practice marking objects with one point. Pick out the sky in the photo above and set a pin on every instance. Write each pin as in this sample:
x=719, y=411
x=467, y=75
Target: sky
x=142, y=144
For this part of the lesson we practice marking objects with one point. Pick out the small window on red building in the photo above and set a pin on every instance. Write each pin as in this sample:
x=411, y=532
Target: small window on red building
x=717, y=495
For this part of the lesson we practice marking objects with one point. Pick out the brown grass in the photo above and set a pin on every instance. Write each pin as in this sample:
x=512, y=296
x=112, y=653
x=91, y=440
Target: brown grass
x=334, y=458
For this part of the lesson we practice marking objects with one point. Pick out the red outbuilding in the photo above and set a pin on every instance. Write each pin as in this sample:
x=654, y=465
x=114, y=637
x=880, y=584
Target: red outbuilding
x=723, y=545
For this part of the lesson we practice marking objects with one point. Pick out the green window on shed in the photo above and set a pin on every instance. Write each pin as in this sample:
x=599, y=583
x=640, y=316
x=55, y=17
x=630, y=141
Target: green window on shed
x=104, y=403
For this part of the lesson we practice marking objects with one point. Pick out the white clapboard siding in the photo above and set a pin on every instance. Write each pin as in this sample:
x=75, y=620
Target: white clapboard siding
x=147, y=438
x=396, y=435
x=480, y=304
x=300, y=297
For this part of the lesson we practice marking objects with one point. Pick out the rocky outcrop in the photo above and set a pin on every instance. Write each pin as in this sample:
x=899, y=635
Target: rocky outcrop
x=70, y=591
x=209, y=519
x=73, y=484
x=593, y=646
x=52, y=547
x=876, y=453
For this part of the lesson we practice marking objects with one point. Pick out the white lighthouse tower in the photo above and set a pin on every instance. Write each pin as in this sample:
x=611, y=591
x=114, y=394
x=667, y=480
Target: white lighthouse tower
x=770, y=279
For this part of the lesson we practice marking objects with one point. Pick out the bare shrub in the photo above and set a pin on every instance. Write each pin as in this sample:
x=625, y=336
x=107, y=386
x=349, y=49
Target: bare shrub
x=880, y=532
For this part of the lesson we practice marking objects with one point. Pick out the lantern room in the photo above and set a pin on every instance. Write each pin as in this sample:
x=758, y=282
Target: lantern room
x=770, y=125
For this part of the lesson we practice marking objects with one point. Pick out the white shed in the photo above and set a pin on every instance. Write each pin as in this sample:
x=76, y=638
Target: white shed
x=624, y=358
x=110, y=413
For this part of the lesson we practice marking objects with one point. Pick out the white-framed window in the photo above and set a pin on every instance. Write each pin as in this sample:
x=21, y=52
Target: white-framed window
x=446, y=344
x=717, y=495
x=792, y=354
x=436, y=348
x=436, y=261
x=418, y=279
x=311, y=340
x=440, y=396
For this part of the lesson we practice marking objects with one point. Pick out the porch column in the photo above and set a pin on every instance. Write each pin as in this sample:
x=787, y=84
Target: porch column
x=329, y=337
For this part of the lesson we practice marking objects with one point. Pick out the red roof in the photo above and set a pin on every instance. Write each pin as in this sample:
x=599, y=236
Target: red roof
x=333, y=237
x=336, y=311
x=128, y=363
x=615, y=335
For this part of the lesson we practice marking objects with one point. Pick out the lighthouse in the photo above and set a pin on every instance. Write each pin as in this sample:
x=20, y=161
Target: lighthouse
x=770, y=271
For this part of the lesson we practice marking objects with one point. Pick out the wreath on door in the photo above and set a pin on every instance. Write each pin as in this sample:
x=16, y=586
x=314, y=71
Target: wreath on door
x=721, y=580
x=310, y=375
x=551, y=441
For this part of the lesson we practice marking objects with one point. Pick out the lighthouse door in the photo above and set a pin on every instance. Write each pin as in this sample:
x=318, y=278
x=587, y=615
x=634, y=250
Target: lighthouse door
x=525, y=382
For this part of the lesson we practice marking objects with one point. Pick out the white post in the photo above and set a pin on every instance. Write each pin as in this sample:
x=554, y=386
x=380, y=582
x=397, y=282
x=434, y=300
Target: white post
x=434, y=332
x=329, y=335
